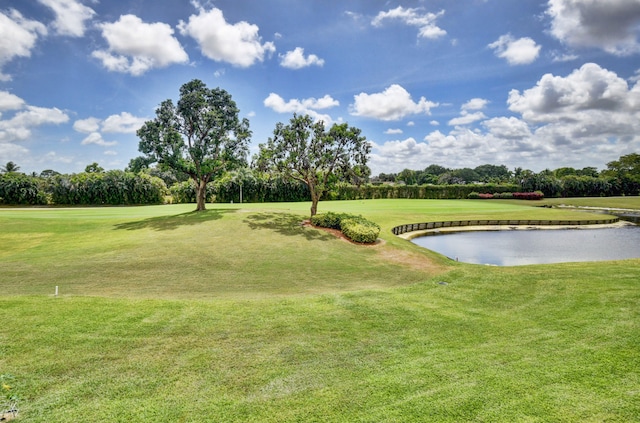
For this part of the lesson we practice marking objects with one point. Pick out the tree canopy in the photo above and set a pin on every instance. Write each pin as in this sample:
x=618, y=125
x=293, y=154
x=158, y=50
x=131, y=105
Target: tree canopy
x=304, y=150
x=202, y=136
x=10, y=167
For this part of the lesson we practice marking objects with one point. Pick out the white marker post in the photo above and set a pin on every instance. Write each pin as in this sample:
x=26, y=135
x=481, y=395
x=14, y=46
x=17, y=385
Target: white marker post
x=56, y=290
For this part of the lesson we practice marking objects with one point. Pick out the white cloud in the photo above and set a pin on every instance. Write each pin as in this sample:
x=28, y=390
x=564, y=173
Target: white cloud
x=96, y=138
x=517, y=52
x=466, y=118
x=295, y=59
x=392, y=131
x=87, y=126
x=238, y=44
x=18, y=127
x=124, y=123
x=18, y=37
x=589, y=90
x=136, y=47
x=589, y=116
x=10, y=101
x=611, y=25
x=507, y=128
x=475, y=104
x=307, y=106
x=394, y=103
x=10, y=151
x=563, y=57
x=425, y=22
x=70, y=16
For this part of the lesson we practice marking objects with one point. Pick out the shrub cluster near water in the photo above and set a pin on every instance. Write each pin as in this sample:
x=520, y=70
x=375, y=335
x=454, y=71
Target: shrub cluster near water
x=356, y=228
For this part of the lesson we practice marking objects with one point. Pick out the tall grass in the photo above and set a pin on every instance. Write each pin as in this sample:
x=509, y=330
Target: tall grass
x=243, y=314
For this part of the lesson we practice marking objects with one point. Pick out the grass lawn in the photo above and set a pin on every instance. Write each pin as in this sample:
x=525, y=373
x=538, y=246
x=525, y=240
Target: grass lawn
x=240, y=313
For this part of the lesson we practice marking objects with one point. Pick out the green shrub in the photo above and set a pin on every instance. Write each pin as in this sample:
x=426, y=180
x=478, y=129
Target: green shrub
x=356, y=228
x=329, y=219
x=473, y=195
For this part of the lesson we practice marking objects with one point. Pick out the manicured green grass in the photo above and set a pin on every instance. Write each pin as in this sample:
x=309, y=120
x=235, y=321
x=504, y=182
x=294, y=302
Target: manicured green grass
x=242, y=314
x=604, y=202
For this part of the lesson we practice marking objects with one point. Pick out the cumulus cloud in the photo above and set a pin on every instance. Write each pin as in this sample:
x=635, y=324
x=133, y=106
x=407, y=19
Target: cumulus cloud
x=612, y=26
x=295, y=59
x=238, y=44
x=466, y=118
x=136, y=47
x=25, y=118
x=510, y=128
x=470, y=112
x=87, y=126
x=70, y=16
x=591, y=115
x=589, y=90
x=393, y=131
x=521, y=51
x=10, y=101
x=425, y=22
x=96, y=138
x=309, y=106
x=394, y=103
x=18, y=37
x=475, y=104
x=124, y=123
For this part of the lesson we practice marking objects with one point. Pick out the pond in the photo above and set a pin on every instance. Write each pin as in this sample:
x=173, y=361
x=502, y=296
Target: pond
x=520, y=247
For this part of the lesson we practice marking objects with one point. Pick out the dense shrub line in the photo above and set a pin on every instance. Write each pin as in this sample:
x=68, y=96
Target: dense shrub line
x=114, y=187
x=356, y=228
x=21, y=189
x=538, y=195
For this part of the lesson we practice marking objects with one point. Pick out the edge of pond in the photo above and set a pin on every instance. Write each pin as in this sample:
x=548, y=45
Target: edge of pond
x=408, y=235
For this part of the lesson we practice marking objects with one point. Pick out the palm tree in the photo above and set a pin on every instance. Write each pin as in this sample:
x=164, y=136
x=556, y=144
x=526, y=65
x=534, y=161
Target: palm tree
x=10, y=167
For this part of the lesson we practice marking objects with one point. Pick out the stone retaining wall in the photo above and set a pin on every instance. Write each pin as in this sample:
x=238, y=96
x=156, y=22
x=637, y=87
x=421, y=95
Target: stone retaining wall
x=399, y=230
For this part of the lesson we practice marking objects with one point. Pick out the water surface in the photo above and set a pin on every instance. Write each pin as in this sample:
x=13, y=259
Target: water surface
x=520, y=247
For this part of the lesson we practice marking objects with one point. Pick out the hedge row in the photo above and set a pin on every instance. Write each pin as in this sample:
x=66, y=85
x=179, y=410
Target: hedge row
x=508, y=195
x=114, y=187
x=426, y=192
x=356, y=228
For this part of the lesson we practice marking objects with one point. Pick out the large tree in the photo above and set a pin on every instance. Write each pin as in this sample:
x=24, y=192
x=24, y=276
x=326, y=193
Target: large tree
x=202, y=136
x=303, y=150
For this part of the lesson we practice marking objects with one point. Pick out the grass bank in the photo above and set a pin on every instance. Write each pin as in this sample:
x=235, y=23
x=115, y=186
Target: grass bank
x=242, y=314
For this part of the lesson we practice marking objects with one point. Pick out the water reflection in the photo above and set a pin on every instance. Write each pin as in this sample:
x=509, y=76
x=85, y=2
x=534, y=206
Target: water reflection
x=520, y=247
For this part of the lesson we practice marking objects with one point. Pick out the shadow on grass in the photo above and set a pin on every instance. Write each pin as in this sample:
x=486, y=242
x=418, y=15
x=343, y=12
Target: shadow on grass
x=165, y=223
x=285, y=224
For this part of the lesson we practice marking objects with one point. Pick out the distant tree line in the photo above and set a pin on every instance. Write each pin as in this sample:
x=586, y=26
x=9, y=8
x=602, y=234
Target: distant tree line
x=141, y=183
x=94, y=186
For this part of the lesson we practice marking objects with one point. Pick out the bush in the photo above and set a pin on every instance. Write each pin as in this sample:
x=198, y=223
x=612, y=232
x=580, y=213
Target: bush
x=329, y=219
x=503, y=195
x=21, y=189
x=360, y=230
x=537, y=195
x=476, y=195
x=356, y=228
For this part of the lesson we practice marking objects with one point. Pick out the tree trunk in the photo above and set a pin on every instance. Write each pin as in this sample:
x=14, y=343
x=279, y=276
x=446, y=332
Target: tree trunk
x=201, y=195
x=314, y=202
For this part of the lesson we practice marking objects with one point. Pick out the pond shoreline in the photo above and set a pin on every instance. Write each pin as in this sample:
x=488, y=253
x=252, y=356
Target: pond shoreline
x=476, y=228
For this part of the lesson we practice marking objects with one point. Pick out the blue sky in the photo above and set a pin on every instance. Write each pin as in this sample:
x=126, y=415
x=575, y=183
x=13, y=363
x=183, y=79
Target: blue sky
x=531, y=84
